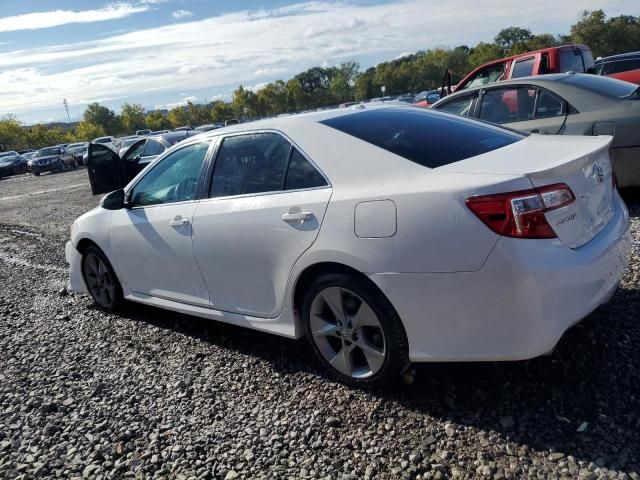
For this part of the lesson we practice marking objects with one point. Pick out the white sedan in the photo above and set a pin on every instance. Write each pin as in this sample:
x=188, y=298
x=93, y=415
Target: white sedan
x=385, y=235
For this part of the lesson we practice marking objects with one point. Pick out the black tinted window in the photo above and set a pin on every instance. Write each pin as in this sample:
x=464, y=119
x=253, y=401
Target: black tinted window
x=302, y=174
x=549, y=105
x=428, y=138
x=619, y=66
x=523, y=68
x=250, y=164
x=571, y=61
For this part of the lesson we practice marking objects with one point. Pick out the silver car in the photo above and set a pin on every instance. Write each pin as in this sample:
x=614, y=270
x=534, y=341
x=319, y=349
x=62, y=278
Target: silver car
x=563, y=104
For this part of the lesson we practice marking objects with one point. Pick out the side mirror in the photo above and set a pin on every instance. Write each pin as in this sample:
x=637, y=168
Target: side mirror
x=113, y=200
x=137, y=158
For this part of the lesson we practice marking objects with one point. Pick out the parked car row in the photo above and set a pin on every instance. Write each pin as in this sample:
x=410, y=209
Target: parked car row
x=50, y=159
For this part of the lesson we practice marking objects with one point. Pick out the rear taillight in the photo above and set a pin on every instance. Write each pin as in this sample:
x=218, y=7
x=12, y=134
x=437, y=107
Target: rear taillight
x=521, y=214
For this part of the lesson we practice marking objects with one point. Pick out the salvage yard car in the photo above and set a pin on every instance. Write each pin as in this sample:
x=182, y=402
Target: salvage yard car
x=52, y=159
x=385, y=235
x=12, y=163
x=564, y=104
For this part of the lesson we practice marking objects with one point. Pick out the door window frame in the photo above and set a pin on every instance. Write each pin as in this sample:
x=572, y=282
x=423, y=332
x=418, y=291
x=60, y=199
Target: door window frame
x=201, y=178
x=568, y=108
x=216, y=150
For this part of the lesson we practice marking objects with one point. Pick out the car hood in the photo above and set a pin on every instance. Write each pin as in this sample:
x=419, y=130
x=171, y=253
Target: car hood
x=36, y=159
x=6, y=163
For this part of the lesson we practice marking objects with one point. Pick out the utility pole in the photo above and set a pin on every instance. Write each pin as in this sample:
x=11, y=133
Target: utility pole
x=66, y=107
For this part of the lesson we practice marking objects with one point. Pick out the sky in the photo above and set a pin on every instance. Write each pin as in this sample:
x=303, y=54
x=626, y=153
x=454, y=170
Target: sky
x=163, y=53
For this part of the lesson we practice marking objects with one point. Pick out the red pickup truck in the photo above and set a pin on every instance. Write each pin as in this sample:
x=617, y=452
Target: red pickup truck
x=567, y=58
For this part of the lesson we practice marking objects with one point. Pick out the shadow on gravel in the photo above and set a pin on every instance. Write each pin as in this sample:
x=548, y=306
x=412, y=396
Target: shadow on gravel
x=592, y=376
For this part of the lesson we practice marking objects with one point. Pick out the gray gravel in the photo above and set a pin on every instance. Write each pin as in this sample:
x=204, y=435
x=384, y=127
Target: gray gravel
x=153, y=394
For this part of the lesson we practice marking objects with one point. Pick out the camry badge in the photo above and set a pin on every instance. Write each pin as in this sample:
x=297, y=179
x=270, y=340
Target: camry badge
x=597, y=173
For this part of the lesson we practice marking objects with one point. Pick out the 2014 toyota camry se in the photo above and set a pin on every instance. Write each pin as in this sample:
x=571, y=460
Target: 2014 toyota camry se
x=385, y=235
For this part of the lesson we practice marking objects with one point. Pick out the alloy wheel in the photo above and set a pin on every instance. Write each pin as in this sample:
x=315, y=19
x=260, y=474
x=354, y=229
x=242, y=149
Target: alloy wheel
x=348, y=332
x=99, y=280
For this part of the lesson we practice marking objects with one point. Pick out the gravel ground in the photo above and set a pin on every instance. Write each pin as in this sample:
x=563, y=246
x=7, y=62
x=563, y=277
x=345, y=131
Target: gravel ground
x=152, y=394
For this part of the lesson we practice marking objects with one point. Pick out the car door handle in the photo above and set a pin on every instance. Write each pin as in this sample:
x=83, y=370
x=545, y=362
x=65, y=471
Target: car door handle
x=297, y=216
x=179, y=222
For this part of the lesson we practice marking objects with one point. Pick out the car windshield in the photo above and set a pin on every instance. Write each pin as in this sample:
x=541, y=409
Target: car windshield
x=128, y=142
x=102, y=140
x=431, y=139
x=610, y=87
x=47, y=151
x=75, y=145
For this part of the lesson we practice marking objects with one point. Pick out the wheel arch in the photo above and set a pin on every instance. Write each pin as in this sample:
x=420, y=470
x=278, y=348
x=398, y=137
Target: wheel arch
x=311, y=272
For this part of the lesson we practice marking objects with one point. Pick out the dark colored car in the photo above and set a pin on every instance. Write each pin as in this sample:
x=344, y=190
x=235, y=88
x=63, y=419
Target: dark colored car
x=625, y=66
x=12, y=163
x=78, y=150
x=426, y=99
x=52, y=159
x=108, y=171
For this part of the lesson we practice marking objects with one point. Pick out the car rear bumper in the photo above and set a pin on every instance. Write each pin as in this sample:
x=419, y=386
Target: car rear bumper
x=74, y=259
x=518, y=305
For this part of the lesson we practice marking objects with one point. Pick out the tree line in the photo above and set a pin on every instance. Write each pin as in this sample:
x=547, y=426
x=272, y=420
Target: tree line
x=325, y=86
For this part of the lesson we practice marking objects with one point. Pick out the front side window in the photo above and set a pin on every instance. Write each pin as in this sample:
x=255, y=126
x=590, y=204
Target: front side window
x=254, y=163
x=462, y=105
x=504, y=105
x=173, y=179
x=488, y=75
x=135, y=151
x=523, y=68
x=619, y=66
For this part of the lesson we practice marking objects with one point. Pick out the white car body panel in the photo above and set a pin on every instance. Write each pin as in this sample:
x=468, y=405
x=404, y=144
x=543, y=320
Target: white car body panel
x=244, y=241
x=462, y=291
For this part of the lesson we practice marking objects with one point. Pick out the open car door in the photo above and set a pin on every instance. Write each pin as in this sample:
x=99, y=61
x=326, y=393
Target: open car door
x=105, y=169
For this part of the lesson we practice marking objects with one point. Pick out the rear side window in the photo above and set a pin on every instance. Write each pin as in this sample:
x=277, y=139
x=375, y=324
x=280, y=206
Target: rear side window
x=462, y=105
x=253, y=163
x=549, y=105
x=523, y=68
x=619, y=66
x=428, y=138
x=302, y=174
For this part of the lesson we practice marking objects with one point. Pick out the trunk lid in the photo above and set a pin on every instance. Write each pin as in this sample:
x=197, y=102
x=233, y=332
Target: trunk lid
x=582, y=163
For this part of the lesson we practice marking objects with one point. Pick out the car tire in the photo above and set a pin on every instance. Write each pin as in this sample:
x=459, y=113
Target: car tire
x=372, y=353
x=35, y=172
x=101, y=280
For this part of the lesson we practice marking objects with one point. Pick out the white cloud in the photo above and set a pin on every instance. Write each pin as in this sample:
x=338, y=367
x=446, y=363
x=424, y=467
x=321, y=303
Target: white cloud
x=180, y=103
x=182, y=14
x=55, y=18
x=219, y=53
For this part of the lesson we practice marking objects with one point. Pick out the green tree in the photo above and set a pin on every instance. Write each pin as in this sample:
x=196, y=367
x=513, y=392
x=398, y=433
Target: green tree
x=513, y=39
x=156, y=120
x=364, y=85
x=87, y=131
x=483, y=53
x=606, y=37
x=273, y=98
x=103, y=117
x=132, y=117
x=221, y=111
x=178, y=117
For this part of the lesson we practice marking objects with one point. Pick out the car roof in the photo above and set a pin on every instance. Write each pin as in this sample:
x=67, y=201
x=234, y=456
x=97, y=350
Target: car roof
x=619, y=56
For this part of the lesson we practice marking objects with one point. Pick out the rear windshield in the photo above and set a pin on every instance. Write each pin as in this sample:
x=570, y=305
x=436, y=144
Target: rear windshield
x=431, y=139
x=610, y=87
